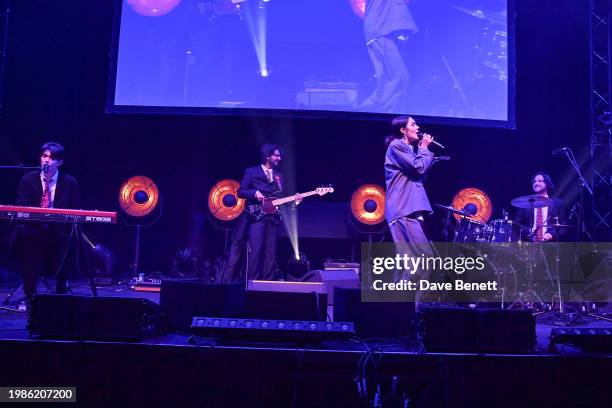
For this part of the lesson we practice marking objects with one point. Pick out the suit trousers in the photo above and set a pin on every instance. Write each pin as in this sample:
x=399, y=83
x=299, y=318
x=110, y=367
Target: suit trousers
x=410, y=240
x=233, y=271
x=263, y=235
x=42, y=248
x=392, y=77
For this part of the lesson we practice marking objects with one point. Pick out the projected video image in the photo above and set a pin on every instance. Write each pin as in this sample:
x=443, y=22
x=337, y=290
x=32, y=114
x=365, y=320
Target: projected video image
x=442, y=58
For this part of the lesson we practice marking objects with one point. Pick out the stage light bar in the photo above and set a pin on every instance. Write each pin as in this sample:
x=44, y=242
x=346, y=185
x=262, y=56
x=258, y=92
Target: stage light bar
x=271, y=330
x=590, y=339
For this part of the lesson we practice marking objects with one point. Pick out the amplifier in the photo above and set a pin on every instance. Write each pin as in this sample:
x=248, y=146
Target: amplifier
x=148, y=285
x=338, y=265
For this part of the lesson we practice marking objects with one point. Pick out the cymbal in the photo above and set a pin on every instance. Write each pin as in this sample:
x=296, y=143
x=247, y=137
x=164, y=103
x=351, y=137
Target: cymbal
x=556, y=225
x=453, y=210
x=530, y=201
x=499, y=17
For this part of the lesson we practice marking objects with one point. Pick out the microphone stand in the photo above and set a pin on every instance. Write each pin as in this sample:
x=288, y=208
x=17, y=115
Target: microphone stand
x=570, y=156
x=584, y=185
x=580, y=227
x=445, y=232
x=4, y=255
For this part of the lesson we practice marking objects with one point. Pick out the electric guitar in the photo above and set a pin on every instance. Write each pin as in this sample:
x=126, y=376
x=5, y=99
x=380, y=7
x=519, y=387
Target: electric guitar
x=269, y=205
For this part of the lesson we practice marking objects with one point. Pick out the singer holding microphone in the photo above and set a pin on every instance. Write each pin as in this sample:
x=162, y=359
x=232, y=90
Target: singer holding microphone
x=407, y=161
x=42, y=246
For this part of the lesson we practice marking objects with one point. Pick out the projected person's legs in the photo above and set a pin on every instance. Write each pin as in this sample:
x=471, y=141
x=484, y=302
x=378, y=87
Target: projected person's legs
x=392, y=77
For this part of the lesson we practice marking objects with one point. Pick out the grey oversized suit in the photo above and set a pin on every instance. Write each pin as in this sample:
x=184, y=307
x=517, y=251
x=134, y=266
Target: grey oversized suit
x=404, y=171
x=407, y=199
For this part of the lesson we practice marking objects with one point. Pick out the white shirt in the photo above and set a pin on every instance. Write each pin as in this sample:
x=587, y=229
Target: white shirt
x=269, y=173
x=52, y=186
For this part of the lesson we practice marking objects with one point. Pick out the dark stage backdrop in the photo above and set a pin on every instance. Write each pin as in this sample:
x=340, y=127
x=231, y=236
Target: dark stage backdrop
x=56, y=79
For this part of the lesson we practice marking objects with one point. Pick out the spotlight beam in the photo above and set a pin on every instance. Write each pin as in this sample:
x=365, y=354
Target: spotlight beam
x=289, y=218
x=256, y=19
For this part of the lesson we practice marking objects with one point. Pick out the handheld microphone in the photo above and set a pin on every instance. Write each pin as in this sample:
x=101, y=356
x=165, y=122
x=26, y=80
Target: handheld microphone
x=45, y=168
x=559, y=150
x=420, y=134
x=442, y=158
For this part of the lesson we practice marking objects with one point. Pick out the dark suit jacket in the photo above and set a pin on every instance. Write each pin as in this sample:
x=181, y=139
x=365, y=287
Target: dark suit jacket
x=66, y=191
x=254, y=179
x=404, y=172
x=555, y=209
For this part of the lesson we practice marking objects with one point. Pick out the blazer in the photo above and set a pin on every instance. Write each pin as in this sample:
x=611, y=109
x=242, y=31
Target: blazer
x=67, y=193
x=404, y=172
x=255, y=179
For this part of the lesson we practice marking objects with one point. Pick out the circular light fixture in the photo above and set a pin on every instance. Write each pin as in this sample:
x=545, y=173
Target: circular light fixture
x=473, y=201
x=223, y=201
x=138, y=196
x=153, y=8
x=368, y=204
x=358, y=7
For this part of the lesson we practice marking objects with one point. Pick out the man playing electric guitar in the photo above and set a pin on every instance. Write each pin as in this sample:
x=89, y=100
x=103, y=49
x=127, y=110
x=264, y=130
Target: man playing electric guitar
x=257, y=183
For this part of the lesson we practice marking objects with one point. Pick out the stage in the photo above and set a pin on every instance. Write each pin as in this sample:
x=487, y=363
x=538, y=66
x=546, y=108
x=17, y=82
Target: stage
x=179, y=369
x=139, y=129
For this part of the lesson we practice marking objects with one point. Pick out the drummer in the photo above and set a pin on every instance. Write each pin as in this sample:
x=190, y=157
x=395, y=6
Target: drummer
x=540, y=221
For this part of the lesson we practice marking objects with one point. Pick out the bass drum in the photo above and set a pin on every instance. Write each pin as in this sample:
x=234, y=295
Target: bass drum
x=470, y=231
x=499, y=267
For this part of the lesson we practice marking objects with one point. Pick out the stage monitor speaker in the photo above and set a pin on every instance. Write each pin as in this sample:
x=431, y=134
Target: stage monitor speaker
x=285, y=305
x=589, y=339
x=373, y=319
x=338, y=278
x=180, y=300
x=477, y=330
x=92, y=318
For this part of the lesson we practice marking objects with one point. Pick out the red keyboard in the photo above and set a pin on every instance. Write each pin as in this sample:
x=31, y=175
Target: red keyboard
x=13, y=212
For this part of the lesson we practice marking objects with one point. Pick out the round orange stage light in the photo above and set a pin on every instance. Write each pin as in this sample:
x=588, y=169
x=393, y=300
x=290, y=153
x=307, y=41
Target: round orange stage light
x=223, y=201
x=477, y=197
x=138, y=196
x=153, y=8
x=358, y=7
x=368, y=204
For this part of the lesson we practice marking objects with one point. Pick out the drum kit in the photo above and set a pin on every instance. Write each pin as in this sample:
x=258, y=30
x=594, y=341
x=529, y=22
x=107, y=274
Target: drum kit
x=487, y=85
x=492, y=47
x=498, y=230
x=509, y=247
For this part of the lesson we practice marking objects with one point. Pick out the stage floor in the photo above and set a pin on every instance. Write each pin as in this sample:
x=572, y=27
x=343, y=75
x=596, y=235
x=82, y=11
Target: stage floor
x=182, y=370
x=13, y=324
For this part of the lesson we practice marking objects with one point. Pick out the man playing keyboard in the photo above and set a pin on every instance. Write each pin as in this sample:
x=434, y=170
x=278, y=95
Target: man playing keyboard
x=43, y=247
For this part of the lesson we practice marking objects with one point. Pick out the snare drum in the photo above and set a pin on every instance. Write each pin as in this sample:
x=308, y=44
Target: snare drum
x=470, y=231
x=505, y=231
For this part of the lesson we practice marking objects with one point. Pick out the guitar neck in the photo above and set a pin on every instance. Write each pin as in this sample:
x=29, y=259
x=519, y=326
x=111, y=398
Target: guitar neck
x=285, y=200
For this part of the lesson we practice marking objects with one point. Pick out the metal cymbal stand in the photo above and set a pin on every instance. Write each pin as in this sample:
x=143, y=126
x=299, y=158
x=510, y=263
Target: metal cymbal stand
x=530, y=297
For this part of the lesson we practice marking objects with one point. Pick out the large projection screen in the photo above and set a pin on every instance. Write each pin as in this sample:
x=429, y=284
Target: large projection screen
x=447, y=59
